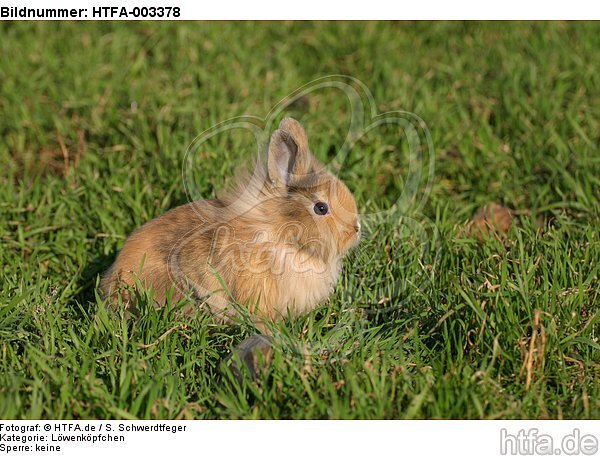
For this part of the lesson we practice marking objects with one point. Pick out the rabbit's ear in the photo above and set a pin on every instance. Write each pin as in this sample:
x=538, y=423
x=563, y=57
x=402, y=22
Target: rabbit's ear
x=296, y=131
x=288, y=153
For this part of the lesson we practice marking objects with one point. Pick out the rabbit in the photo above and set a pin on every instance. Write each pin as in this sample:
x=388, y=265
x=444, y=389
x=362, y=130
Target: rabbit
x=273, y=243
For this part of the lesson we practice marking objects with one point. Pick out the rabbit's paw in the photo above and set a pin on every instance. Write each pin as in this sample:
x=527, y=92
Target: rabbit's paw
x=253, y=354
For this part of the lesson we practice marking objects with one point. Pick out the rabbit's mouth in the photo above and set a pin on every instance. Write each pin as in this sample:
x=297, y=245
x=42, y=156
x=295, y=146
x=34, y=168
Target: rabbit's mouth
x=351, y=239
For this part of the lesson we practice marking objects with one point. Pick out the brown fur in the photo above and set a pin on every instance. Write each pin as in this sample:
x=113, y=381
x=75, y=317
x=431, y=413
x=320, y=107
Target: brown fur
x=260, y=245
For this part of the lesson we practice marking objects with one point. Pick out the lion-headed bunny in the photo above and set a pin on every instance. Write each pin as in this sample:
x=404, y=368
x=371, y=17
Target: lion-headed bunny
x=273, y=243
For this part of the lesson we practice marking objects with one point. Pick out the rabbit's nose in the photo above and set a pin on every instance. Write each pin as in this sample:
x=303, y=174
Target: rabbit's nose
x=357, y=227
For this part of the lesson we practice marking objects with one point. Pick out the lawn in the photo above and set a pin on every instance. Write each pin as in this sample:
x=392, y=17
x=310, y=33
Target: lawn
x=430, y=319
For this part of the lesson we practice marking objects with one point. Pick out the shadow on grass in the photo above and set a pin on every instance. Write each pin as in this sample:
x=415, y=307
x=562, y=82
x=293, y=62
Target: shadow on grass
x=84, y=302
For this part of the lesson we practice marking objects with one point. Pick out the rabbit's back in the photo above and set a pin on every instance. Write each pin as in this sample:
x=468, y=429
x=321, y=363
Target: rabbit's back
x=147, y=253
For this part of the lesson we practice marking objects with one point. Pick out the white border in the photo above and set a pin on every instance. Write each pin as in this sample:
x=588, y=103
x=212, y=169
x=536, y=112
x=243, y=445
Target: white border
x=348, y=10
x=305, y=438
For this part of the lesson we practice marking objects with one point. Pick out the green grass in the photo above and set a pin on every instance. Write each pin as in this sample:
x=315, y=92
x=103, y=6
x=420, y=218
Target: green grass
x=425, y=322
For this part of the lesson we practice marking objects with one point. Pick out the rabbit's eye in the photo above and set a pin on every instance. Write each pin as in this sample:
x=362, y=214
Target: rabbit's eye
x=321, y=208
